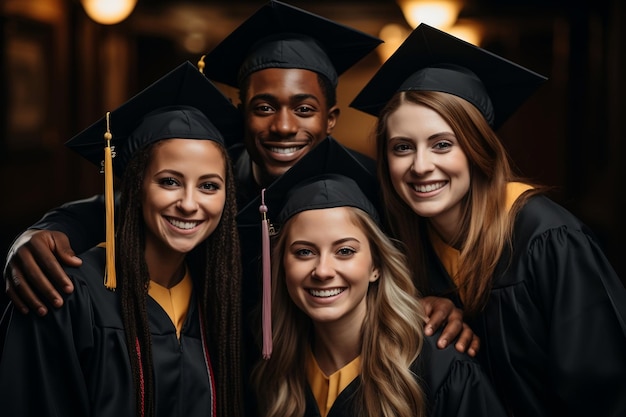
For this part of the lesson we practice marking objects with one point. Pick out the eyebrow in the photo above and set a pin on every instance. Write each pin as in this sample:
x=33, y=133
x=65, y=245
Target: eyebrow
x=433, y=137
x=304, y=96
x=180, y=174
x=293, y=98
x=337, y=242
x=444, y=134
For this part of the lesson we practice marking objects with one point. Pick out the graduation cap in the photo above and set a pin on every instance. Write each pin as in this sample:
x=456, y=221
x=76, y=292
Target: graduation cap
x=282, y=36
x=182, y=104
x=142, y=120
x=432, y=60
x=294, y=191
x=327, y=157
x=323, y=192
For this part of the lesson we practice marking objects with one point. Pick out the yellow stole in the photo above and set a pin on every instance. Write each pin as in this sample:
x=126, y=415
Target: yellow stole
x=326, y=389
x=175, y=300
x=448, y=255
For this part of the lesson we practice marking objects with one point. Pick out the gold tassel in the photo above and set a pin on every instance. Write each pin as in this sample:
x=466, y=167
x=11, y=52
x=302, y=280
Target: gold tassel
x=201, y=64
x=110, y=281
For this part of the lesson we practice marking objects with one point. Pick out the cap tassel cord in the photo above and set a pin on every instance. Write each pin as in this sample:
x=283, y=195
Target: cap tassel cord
x=267, y=283
x=110, y=281
x=201, y=64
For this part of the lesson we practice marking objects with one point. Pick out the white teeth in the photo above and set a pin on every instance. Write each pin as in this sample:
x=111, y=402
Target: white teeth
x=182, y=225
x=428, y=188
x=285, y=150
x=326, y=293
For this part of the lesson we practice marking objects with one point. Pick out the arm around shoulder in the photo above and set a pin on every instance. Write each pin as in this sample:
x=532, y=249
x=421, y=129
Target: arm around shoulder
x=33, y=267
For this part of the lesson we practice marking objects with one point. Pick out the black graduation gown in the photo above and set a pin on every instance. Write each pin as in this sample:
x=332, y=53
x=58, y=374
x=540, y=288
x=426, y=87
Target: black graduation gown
x=82, y=221
x=553, y=332
x=74, y=361
x=454, y=385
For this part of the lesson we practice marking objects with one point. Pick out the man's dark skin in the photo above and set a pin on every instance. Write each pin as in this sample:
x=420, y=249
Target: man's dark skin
x=286, y=114
x=285, y=117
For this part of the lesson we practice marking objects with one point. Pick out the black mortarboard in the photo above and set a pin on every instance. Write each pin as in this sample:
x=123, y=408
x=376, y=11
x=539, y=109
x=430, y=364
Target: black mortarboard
x=328, y=158
x=282, y=36
x=181, y=104
x=432, y=60
x=325, y=191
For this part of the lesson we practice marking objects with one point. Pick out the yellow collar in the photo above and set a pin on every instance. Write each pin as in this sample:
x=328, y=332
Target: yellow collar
x=174, y=300
x=326, y=389
x=448, y=255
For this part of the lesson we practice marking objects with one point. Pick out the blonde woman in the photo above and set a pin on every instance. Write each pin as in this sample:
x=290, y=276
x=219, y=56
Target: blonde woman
x=348, y=335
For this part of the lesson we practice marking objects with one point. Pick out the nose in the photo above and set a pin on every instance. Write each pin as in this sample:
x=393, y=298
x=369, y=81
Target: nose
x=422, y=163
x=187, y=202
x=284, y=123
x=324, y=269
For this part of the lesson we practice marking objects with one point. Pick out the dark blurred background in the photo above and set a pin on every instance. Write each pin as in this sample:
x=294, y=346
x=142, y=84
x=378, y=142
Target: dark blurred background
x=60, y=71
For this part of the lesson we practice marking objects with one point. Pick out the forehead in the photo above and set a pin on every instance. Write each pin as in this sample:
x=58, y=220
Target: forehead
x=193, y=153
x=284, y=82
x=415, y=118
x=327, y=223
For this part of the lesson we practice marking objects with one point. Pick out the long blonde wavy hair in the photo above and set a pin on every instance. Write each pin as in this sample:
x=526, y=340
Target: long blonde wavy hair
x=392, y=337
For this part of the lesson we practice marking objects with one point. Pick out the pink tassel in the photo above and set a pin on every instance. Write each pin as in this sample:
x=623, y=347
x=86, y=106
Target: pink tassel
x=267, y=281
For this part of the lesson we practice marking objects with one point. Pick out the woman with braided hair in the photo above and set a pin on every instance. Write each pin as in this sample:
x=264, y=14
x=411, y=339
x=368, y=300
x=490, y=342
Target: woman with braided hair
x=162, y=336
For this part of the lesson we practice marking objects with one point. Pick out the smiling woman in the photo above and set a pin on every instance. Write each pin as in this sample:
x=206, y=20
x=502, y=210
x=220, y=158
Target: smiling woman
x=184, y=192
x=531, y=278
x=172, y=324
x=427, y=167
x=328, y=270
x=347, y=322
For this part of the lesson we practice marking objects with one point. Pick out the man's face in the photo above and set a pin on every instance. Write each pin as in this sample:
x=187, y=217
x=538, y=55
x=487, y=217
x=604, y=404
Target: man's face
x=286, y=115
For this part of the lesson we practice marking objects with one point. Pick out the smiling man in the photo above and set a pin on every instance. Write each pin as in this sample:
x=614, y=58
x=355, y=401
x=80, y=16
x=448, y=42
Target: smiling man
x=286, y=63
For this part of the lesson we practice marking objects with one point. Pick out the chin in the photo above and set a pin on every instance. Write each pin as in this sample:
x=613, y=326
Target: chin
x=276, y=172
x=183, y=251
x=185, y=248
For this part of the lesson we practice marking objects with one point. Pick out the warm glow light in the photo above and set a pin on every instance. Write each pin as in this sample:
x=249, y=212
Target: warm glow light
x=195, y=42
x=108, y=12
x=393, y=35
x=441, y=14
x=468, y=32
